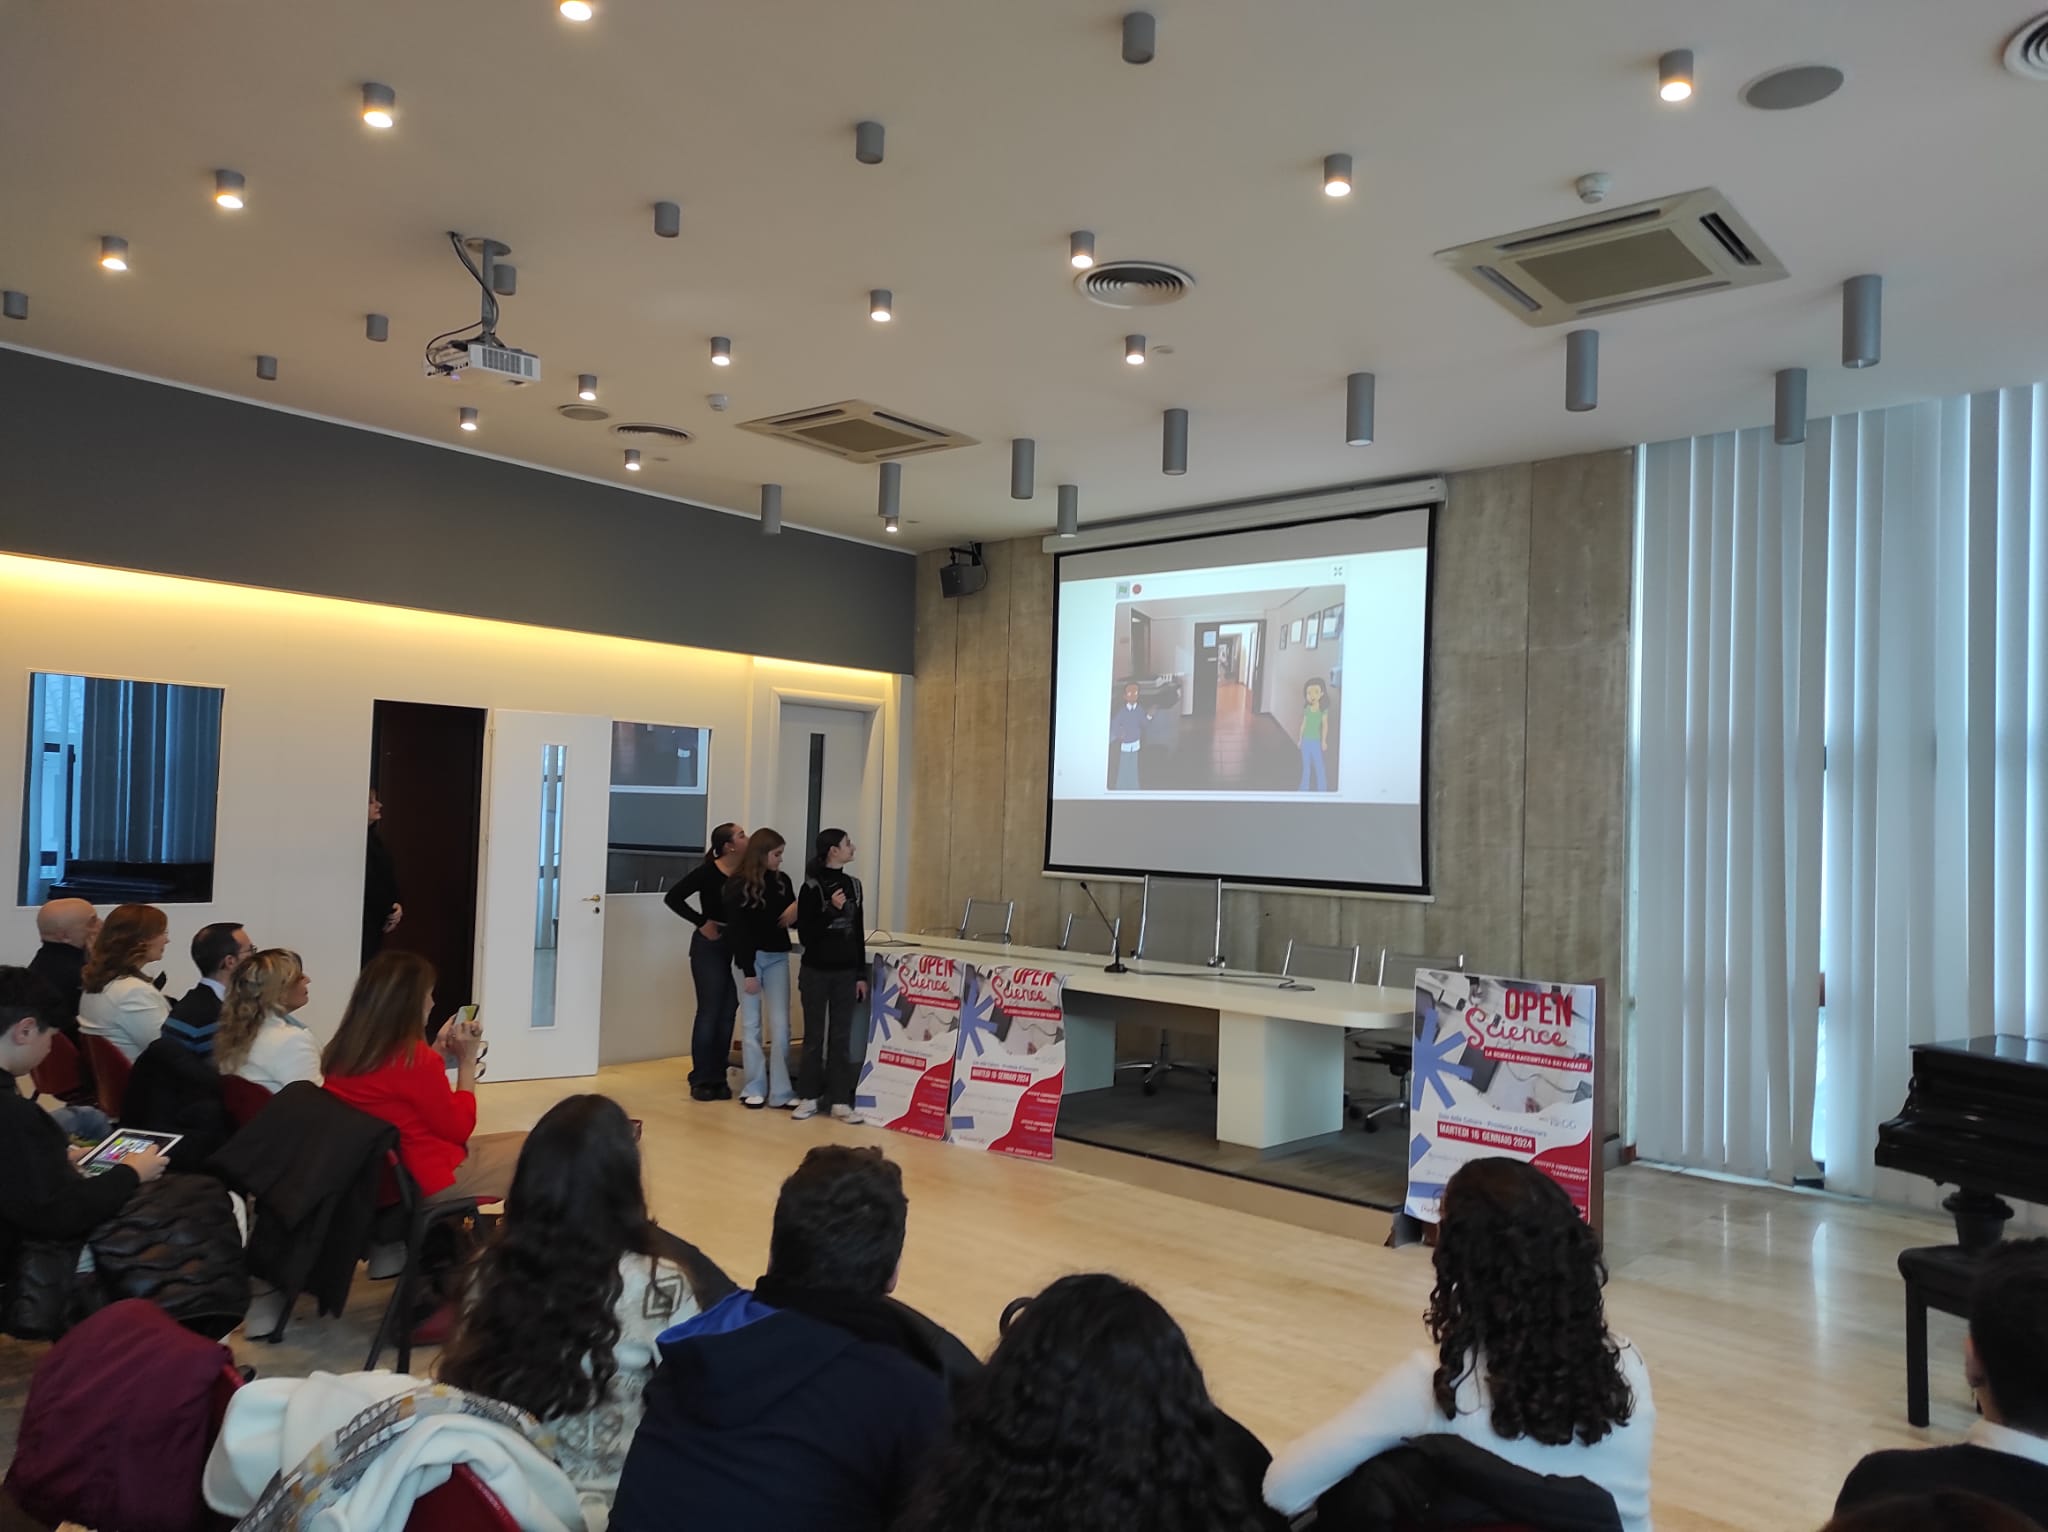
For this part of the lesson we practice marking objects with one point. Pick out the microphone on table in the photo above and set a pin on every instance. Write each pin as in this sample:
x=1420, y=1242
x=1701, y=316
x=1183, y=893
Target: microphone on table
x=1116, y=962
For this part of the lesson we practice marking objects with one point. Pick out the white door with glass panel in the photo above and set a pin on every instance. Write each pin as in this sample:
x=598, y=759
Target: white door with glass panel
x=541, y=963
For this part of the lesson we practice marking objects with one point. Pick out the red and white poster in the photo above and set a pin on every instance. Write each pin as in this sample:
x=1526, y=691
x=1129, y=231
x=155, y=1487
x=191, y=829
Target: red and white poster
x=1502, y=1067
x=913, y=1033
x=1012, y=1061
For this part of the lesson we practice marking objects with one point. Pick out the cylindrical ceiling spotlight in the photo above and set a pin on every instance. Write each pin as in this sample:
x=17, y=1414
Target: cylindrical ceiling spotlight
x=504, y=279
x=1358, y=409
x=1336, y=175
x=266, y=368
x=577, y=10
x=881, y=305
x=1788, y=423
x=889, y=495
x=13, y=304
x=229, y=189
x=113, y=252
x=1023, y=468
x=466, y=417
x=377, y=327
x=1582, y=371
x=1173, y=443
x=1862, y=321
x=1070, y=510
x=771, y=510
x=1674, y=75
x=668, y=219
x=586, y=387
x=1081, y=249
x=1134, y=350
x=380, y=105
x=632, y=460
x=721, y=351
x=1141, y=37
x=867, y=142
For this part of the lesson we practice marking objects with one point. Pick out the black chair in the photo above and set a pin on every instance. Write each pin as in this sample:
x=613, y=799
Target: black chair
x=1395, y=1051
x=404, y=1214
x=1180, y=920
x=1937, y=1277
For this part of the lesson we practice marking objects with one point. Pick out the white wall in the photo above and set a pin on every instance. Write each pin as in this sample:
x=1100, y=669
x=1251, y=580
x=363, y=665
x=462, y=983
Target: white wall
x=301, y=674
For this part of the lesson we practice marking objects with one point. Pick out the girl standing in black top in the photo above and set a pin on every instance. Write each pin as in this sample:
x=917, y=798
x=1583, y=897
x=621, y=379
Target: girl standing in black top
x=718, y=997
x=832, y=925
x=760, y=907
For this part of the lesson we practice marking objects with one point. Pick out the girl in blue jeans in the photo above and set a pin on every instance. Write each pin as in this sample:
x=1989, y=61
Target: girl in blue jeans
x=760, y=907
x=1315, y=733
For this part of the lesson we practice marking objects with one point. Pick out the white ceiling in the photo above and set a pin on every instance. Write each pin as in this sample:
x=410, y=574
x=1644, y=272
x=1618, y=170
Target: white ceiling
x=1008, y=126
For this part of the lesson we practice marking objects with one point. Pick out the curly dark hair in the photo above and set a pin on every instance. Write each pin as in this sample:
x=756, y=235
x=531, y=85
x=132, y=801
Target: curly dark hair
x=1091, y=1416
x=1518, y=1279
x=540, y=1322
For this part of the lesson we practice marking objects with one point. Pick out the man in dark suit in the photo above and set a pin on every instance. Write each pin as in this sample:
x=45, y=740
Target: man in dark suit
x=66, y=928
x=217, y=950
x=2005, y=1357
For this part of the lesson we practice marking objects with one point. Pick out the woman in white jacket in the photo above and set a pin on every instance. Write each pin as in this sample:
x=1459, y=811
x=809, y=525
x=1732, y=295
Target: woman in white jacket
x=119, y=1004
x=258, y=1037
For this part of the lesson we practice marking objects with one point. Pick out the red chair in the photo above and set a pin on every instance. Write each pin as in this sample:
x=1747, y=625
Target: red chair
x=244, y=1098
x=464, y=1504
x=110, y=1070
x=59, y=1074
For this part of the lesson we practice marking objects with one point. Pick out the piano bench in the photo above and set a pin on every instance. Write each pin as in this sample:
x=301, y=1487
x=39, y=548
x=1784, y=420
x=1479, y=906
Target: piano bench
x=1937, y=1277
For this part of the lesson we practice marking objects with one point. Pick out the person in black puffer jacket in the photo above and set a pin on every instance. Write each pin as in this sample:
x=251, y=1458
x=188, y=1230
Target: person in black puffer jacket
x=831, y=922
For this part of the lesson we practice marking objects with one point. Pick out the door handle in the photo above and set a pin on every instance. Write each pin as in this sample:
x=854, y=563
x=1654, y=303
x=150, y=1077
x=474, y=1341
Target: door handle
x=592, y=898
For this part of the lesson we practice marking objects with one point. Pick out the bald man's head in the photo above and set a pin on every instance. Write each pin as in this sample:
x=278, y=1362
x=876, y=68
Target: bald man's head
x=70, y=921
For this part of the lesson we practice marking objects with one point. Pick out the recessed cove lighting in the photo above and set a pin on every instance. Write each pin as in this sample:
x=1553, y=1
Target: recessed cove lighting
x=881, y=305
x=721, y=351
x=1336, y=175
x=1081, y=249
x=632, y=460
x=380, y=105
x=577, y=10
x=586, y=386
x=1674, y=75
x=229, y=187
x=113, y=252
x=467, y=417
x=1134, y=350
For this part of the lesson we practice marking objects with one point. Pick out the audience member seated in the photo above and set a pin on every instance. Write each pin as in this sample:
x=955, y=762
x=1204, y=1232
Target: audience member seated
x=806, y=1405
x=379, y=1062
x=2005, y=1359
x=1524, y=1365
x=257, y=1036
x=46, y=1207
x=1092, y=1415
x=66, y=928
x=566, y=1301
x=119, y=1003
x=1948, y=1511
x=216, y=951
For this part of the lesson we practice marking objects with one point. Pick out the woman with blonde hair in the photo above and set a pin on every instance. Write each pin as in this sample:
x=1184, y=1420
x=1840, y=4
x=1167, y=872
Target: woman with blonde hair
x=258, y=1037
x=380, y=1063
x=119, y=1003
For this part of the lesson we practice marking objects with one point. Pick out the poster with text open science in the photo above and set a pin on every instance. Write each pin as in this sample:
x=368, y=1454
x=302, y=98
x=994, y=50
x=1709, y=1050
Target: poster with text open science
x=913, y=1033
x=1502, y=1067
x=1012, y=1063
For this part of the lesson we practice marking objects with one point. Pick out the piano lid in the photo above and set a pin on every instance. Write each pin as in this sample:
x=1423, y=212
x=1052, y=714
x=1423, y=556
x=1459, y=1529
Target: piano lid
x=2001, y=1048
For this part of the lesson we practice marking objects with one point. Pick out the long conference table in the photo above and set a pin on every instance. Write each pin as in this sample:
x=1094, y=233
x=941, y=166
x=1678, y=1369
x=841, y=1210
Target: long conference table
x=1280, y=1042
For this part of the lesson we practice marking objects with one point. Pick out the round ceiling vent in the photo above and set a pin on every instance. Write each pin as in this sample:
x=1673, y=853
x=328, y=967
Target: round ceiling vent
x=2026, y=52
x=1133, y=284
x=641, y=430
x=1788, y=89
x=582, y=412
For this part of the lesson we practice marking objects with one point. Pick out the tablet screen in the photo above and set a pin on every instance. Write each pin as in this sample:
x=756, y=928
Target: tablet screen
x=122, y=1143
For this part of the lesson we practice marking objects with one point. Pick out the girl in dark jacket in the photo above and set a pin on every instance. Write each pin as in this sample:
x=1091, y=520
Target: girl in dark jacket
x=718, y=997
x=831, y=922
x=760, y=907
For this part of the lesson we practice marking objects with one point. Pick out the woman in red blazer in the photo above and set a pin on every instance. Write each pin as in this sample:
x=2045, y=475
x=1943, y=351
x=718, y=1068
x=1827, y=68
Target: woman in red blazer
x=380, y=1063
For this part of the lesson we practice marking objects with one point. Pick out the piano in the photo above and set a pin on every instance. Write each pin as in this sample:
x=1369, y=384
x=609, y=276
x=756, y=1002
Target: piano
x=1975, y=1118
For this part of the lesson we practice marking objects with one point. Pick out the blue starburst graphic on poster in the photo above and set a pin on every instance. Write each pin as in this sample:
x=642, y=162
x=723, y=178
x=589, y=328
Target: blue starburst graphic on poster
x=883, y=994
x=959, y=1085
x=1434, y=1066
x=1417, y=1148
x=977, y=1016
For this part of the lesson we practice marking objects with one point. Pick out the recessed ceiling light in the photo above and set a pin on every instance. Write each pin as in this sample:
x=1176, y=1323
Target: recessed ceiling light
x=113, y=252
x=632, y=460
x=1134, y=350
x=1674, y=75
x=1081, y=249
x=380, y=105
x=721, y=351
x=467, y=417
x=881, y=305
x=1336, y=175
x=578, y=10
x=228, y=189
x=586, y=386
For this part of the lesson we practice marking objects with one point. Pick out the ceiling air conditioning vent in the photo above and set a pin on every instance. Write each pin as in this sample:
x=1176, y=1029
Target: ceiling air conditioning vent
x=1675, y=247
x=1133, y=284
x=640, y=430
x=856, y=431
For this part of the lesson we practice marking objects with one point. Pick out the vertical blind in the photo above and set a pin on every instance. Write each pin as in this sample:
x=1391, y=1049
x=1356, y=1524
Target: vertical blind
x=1841, y=802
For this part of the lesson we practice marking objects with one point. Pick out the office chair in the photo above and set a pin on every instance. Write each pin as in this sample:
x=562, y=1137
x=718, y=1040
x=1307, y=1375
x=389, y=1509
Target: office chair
x=987, y=920
x=1085, y=932
x=1395, y=1051
x=1306, y=960
x=1180, y=920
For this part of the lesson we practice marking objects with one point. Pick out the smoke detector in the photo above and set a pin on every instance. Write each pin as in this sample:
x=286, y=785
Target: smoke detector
x=2026, y=51
x=1133, y=284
